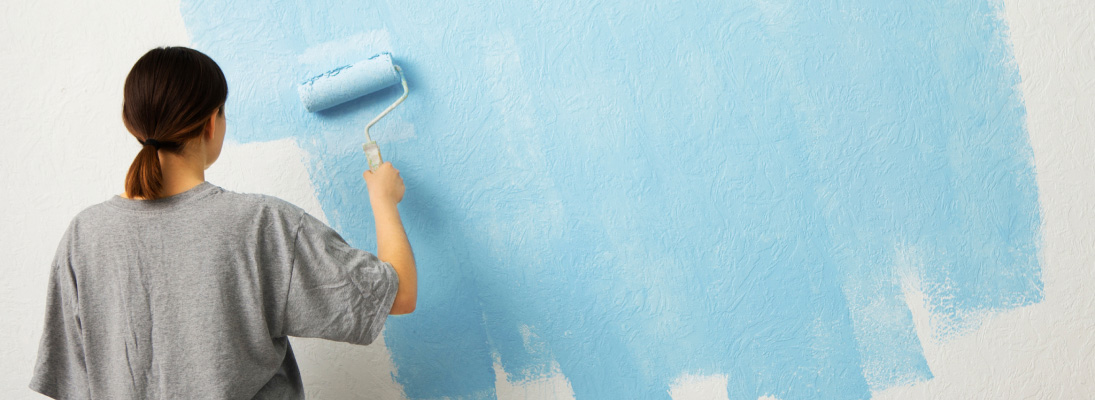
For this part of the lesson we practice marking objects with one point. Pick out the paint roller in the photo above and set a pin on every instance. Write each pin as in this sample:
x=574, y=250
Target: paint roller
x=352, y=81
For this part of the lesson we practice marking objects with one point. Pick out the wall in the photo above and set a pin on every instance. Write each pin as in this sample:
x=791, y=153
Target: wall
x=759, y=199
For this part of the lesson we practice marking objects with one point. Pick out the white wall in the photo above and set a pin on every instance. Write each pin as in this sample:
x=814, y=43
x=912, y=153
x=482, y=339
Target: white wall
x=64, y=148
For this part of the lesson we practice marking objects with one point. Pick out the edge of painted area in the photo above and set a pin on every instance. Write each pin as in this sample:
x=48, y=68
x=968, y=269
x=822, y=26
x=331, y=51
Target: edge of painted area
x=1040, y=350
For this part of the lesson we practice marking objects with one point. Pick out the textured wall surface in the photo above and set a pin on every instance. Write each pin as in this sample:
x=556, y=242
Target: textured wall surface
x=742, y=200
x=747, y=185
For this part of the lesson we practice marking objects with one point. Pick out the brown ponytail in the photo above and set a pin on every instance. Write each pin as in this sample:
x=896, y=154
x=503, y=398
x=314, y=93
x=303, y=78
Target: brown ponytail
x=169, y=95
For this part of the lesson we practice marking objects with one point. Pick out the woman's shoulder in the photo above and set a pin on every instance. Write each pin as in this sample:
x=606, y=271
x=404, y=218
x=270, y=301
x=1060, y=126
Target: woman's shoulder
x=259, y=200
x=262, y=203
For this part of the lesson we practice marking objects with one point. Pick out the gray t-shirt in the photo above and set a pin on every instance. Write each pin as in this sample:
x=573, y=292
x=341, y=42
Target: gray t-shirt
x=192, y=297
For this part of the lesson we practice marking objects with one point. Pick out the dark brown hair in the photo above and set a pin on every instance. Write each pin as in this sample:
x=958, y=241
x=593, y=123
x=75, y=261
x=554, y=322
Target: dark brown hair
x=169, y=95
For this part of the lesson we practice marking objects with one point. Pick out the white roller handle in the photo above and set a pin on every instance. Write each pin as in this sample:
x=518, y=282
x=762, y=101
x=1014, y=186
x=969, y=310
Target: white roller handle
x=372, y=155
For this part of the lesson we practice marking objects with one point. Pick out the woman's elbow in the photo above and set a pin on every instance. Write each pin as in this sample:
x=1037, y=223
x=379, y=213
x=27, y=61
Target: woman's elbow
x=403, y=307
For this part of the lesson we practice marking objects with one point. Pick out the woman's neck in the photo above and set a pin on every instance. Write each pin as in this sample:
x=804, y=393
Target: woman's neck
x=181, y=171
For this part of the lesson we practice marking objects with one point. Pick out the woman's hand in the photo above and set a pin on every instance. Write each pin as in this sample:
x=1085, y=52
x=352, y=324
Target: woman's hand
x=385, y=185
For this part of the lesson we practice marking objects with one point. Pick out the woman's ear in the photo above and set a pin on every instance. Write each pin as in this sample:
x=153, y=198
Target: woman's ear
x=210, y=129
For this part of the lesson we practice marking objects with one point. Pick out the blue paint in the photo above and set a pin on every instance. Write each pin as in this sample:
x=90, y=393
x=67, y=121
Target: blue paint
x=646, y=191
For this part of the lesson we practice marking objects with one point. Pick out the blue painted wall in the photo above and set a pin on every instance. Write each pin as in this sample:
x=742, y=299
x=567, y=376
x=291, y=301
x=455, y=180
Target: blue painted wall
x=641, y=190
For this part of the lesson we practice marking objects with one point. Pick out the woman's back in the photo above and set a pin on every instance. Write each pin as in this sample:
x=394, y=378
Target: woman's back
x=192, y=296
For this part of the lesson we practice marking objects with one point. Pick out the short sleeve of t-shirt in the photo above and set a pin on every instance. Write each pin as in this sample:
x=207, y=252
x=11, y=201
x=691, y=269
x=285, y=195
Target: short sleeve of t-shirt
x=60, y=371
x=336, y=292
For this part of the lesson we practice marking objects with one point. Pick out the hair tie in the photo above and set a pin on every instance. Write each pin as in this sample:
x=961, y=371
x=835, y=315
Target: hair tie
x=156, y=144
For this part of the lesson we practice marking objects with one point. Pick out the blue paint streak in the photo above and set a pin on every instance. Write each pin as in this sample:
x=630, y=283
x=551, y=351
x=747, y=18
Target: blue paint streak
x=636, y=192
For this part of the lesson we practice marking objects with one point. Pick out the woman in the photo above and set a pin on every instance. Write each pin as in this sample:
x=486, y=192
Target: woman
x=179, y=289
